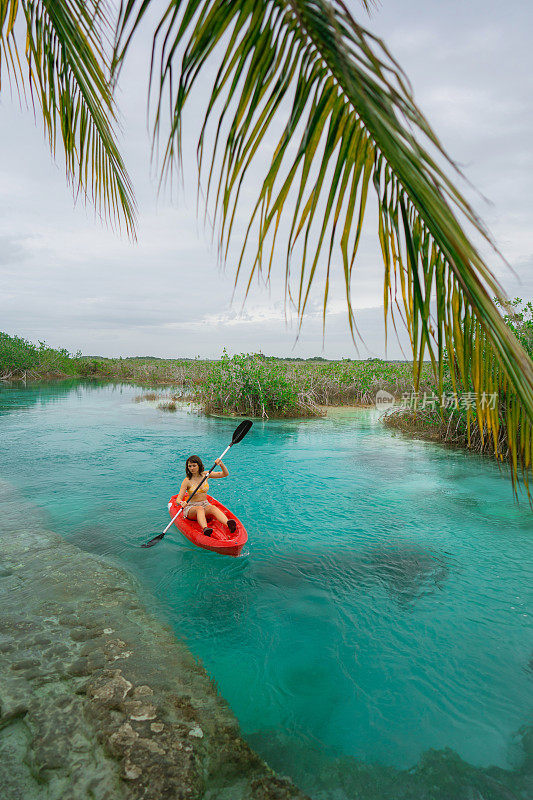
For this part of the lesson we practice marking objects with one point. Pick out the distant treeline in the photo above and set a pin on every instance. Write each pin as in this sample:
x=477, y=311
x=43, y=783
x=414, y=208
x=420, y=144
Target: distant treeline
x=258, y=355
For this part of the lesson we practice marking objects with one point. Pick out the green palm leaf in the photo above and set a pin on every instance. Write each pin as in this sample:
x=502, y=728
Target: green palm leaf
x=350, y=126
x=66, y=64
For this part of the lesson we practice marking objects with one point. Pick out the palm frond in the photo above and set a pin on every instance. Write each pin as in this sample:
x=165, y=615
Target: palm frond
x=350, y=126
x=66, y=66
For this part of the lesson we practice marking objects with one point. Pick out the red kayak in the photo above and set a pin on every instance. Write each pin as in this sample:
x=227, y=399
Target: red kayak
x=221, y=540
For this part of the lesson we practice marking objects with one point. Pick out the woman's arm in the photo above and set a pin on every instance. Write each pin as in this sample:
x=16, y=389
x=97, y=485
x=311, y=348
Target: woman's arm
x=223, y=474
x=183, y=491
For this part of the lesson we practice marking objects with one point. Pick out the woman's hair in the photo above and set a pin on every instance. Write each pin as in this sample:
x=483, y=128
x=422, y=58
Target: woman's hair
x=195, y=460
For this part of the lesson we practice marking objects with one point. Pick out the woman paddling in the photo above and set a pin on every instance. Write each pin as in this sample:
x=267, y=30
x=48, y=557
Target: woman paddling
x=200, y=507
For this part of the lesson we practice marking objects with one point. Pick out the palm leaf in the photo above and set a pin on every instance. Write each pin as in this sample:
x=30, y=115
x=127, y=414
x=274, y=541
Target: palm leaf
x=350, y=125
x=66, y=65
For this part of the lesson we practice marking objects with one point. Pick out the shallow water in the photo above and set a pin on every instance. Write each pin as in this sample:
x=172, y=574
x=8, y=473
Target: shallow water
x=382, y=606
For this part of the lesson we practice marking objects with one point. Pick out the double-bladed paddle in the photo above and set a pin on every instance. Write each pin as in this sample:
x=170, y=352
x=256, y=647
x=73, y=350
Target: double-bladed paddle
x=238, y=434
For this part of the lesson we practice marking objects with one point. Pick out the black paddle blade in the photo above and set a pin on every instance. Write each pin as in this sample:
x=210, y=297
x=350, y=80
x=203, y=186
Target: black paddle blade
x=153, y=541
x=240, y=432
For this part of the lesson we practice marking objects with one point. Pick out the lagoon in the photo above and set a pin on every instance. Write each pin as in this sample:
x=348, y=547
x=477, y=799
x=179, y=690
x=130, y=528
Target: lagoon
x=382, y=608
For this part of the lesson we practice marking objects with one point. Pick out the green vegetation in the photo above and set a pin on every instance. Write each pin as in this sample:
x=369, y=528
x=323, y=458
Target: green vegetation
x=168, y=405
x=248, y=384
x=20, y=358
x=355, y=382
x=143, y=370
x=519, y=319
x=268, y=387
x=254, y=385
x=147, y=396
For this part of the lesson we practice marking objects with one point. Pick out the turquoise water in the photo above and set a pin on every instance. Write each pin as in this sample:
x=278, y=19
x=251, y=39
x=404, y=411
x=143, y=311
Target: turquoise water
x=381, y=608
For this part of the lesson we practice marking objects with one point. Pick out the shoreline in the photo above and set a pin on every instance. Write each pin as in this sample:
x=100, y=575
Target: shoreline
x=97, y=696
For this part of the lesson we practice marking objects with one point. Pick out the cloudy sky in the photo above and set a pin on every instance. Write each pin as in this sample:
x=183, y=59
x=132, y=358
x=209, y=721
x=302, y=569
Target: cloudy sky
x=67, y=279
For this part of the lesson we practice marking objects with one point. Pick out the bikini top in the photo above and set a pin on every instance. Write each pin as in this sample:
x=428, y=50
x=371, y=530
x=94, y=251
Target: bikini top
x=203, y=488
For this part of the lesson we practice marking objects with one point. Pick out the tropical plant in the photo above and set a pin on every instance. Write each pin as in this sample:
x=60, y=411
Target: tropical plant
x=519, y=318
x=349, y=126
x=247, y=384
x=68, y=51
x=20, y=357
x=16, y=354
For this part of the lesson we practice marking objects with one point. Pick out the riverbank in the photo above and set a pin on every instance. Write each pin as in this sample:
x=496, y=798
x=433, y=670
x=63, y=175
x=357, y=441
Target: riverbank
x=450, y=428
x=98, y=699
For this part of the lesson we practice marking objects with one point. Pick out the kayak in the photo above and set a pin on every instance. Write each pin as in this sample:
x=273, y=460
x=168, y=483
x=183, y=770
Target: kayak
x=221, y=540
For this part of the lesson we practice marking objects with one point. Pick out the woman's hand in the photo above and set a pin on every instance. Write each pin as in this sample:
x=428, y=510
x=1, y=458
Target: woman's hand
x=182, y=503
x=224, y=469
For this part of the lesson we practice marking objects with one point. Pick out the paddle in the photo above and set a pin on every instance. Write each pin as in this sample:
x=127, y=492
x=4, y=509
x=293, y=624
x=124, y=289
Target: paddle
x=238, y=434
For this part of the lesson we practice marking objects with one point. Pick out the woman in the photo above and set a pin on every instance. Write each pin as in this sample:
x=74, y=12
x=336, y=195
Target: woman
x=199, y=507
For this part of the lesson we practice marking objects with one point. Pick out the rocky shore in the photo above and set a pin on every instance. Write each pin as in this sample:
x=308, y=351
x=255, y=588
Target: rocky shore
x=97, y=697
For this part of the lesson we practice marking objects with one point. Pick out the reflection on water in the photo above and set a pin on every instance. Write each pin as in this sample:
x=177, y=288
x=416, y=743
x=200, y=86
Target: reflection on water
x=365, y=631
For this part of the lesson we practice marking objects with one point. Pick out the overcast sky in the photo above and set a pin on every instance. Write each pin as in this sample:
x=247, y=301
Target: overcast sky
x=67, y=279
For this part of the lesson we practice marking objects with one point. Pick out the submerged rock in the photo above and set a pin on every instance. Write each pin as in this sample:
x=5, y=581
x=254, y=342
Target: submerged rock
x=438, y=775
x=97, y=698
